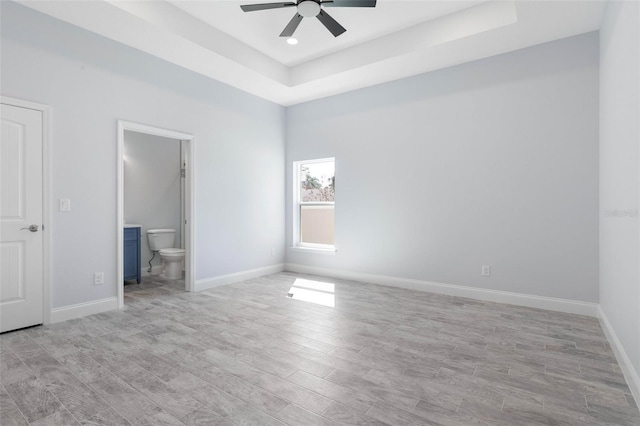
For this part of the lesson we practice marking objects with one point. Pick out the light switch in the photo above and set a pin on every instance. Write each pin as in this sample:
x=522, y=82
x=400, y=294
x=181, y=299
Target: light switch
x=65, y=205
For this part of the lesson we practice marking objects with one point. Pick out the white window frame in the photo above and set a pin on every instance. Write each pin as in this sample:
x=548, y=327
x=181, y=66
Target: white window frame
x=297, y=203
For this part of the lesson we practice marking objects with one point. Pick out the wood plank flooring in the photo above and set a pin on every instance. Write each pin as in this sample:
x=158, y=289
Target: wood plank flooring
x=246, y=354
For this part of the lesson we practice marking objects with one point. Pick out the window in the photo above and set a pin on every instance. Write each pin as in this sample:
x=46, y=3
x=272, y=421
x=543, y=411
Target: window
x=314, y=194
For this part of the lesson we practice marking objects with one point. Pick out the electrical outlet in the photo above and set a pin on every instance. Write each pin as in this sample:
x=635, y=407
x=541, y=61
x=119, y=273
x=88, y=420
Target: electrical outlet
x=486, y=270
x=98, y=278
x=65, y=205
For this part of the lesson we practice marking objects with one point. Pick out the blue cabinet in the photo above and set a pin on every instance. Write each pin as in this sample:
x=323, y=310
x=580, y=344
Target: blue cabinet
x=132, y=253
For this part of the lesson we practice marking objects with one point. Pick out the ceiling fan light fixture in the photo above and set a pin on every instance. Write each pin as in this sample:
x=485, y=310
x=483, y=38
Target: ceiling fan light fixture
x=292, y=41
x=309, y=8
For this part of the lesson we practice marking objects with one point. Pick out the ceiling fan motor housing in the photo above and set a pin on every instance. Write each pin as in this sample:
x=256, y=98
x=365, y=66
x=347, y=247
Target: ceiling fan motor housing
x=309, y=8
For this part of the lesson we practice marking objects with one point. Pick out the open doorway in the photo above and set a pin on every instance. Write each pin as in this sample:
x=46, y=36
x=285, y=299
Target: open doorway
x=155, y=207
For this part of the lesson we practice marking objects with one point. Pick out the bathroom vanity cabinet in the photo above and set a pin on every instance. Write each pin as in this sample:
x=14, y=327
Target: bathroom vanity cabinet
x=132, y=252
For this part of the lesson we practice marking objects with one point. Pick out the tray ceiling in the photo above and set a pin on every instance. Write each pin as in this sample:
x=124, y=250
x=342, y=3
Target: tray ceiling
x=395, y=39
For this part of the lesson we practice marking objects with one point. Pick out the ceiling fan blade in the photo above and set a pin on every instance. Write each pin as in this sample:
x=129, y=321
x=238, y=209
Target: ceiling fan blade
x=331, y=24
x=349, y=3
x=291, y=26
x=264, y=6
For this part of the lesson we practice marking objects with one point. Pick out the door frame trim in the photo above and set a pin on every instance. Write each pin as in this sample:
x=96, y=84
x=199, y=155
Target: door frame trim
x=189, y=233
x=45, y=110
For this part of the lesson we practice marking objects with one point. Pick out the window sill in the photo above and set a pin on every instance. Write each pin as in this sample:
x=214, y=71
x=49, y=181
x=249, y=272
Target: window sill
x=330, y=251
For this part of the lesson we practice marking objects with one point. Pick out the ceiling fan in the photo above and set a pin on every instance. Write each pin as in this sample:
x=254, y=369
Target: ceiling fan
x=309, y=9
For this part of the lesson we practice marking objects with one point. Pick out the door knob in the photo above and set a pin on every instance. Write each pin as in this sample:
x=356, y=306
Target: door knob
x=32, y=228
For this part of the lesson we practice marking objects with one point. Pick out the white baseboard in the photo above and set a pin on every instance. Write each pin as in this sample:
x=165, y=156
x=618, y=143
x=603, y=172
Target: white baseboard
x=220, y=280
x=83, y=309
x=540, y=302
x=630, y=373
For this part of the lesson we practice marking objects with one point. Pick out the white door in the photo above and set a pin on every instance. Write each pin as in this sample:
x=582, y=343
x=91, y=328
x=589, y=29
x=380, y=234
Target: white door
x=21, y=260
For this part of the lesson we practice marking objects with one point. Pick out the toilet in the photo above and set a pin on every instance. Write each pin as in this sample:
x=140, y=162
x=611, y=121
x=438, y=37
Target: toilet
x=161, y=240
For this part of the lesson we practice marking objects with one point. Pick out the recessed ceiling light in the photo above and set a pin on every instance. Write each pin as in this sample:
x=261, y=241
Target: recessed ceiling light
x=292, y=41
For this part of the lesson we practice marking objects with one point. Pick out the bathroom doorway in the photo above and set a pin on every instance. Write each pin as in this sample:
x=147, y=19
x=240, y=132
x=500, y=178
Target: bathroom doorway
x=155, y=187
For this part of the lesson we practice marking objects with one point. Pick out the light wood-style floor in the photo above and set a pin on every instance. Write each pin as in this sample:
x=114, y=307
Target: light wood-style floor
x=246, y=354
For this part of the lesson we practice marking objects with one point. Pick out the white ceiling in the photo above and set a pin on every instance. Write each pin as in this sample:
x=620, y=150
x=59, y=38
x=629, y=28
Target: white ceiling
x=396, y=39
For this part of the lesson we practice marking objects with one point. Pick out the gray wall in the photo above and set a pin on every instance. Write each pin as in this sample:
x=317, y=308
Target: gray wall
x=91, y=82
x=620, y=173
x=491, y=162
x=152, y=186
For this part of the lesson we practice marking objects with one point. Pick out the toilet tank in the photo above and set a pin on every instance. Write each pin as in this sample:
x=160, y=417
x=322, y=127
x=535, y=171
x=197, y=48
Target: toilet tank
x=160, y=238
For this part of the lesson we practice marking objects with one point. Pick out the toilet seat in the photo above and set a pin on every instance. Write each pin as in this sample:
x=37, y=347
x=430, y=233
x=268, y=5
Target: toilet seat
x=171, y=252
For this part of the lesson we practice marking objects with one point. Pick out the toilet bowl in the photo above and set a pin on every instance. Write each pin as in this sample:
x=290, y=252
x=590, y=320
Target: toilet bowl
x=172, y=259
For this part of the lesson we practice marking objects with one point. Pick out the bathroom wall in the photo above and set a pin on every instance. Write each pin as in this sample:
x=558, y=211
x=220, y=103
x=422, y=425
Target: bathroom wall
x=152, y=187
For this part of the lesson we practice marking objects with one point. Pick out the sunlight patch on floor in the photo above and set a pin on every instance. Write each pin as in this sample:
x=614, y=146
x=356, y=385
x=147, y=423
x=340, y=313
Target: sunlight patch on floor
x=317, y=292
